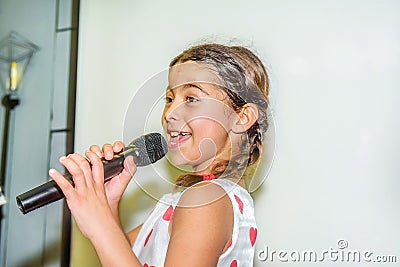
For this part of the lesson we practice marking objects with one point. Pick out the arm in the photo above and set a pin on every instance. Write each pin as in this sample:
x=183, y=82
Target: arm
x=113, y=248
x=201, y=227
x=131, y=236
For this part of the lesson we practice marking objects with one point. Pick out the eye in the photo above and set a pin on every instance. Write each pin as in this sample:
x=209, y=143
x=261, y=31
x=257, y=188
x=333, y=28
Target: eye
x=169, y=99
x=191, y=99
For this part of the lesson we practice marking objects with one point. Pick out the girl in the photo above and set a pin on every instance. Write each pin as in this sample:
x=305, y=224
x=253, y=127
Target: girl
x=214, y=119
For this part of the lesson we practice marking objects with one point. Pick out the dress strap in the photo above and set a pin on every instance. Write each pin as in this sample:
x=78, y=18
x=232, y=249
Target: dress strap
x=208, y=177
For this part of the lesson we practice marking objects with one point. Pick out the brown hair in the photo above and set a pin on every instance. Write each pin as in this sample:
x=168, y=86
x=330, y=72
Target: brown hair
x=245, y=80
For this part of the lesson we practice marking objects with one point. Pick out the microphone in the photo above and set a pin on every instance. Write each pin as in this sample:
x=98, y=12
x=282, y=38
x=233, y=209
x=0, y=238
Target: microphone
x=145, y=150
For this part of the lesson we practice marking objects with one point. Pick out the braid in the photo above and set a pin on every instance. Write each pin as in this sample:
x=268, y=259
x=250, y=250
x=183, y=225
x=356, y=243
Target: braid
x=255, y=142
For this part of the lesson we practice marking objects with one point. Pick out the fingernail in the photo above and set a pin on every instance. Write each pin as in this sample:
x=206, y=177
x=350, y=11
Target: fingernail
x=62, y=158
x=52, y=171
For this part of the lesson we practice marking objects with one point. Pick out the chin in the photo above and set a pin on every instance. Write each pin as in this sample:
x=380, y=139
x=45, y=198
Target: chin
x=179, y=160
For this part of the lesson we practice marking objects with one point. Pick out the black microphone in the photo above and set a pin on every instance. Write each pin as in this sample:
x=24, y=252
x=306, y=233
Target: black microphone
x=145, y=150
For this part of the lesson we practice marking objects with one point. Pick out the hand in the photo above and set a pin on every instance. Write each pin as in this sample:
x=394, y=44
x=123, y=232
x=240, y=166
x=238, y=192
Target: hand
x=87, y=200
x=116, y=186
x=89, y=206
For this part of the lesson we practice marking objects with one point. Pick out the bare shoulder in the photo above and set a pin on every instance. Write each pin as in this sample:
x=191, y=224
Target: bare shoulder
x=204, y=194
x=207, y=203
x=202, y=221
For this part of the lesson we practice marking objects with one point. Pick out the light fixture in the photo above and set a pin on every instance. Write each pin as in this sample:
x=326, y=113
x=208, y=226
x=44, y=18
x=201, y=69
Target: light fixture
x=15, y=54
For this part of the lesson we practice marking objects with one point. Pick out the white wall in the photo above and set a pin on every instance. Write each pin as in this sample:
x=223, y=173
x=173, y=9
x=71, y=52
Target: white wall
x=335, y=85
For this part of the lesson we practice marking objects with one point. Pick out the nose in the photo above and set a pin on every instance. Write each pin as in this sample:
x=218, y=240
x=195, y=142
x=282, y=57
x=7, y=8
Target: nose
x=172, y=112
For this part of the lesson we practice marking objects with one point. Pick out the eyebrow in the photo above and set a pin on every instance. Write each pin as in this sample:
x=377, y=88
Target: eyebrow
x=187, y=85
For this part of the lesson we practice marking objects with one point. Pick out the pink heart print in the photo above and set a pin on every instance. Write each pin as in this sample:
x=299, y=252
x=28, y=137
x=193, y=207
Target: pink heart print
x=240, y=203
x=253, y=235
x=147, y=238
x=168, y=214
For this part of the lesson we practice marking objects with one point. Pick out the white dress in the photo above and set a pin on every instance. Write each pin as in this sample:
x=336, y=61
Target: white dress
x=152, y=241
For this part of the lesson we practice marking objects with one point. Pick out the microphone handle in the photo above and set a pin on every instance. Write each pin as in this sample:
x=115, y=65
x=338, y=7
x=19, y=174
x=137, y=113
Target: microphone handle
x=50, y=192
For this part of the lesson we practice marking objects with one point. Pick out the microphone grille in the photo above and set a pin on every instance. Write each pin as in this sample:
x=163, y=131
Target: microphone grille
x=153, y=146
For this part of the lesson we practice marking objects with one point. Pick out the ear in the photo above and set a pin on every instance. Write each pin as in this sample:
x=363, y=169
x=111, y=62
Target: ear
x=246, y=117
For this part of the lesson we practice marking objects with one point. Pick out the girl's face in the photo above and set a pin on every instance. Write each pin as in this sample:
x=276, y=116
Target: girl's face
x=196, y=118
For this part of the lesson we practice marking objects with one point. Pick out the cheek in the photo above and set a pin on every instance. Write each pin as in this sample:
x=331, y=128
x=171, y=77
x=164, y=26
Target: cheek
x=208, y=131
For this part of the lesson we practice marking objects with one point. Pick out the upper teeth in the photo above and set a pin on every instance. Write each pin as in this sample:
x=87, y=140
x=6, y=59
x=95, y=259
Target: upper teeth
x=175, y=134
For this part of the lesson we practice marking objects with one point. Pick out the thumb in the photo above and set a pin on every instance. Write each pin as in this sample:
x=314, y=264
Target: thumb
x=130, y=166
x=129, y=170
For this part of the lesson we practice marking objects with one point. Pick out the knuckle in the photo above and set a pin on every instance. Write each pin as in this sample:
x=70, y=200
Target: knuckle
x=84, y=163
x=79, y=160
x=68, y=191
x=95, y=161
x=75, y=157
x=76, y=172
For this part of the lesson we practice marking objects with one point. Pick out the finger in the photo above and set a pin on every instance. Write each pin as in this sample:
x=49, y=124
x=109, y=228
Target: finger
x=130, y=166
x=129, y=170
x=96, y=149
x=83, y=163
x=108, y=151
x=63, y=183
x=118, y=146
x=75, y=171
x=97, y=168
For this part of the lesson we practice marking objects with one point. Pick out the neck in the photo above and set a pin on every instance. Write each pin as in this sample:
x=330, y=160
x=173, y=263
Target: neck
x=208, y=170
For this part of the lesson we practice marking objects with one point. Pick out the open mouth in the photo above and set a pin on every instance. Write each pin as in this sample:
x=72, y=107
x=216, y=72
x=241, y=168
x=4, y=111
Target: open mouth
x=177, y=138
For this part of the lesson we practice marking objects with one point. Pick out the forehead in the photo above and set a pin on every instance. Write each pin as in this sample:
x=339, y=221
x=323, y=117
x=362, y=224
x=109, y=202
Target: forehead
x=192, y=72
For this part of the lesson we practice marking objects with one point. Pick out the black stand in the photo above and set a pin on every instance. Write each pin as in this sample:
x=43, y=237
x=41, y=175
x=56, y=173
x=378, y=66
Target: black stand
x=9, y=102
